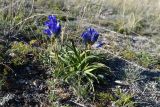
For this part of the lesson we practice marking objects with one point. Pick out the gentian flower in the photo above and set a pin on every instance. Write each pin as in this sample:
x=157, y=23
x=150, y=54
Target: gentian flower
x=53, y=26
x=99, y=44
x=90, y=36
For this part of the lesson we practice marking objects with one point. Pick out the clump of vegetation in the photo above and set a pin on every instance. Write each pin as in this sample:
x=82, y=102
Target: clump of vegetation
x=74, y=66
x=104, y=99
x=145, y=59
x=129, y=55
x=142, y=58
x=78, y=68
x=124, y=100
x=21, y=52
x=116, y=98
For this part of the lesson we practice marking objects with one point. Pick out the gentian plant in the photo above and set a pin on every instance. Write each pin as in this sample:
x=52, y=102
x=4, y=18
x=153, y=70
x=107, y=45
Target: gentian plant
x=75, y=66
x=53, y=30
x=53, y=27
x=78, y=68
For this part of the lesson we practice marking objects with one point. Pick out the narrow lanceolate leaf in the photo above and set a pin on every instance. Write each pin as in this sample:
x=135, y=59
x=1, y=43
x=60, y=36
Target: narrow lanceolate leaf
x=96, y=65
x=90, y=70
x=74, y=49
x=65, y=61
x=72, y=58
x=86, y=59
x=92, y=75
x=84, y=53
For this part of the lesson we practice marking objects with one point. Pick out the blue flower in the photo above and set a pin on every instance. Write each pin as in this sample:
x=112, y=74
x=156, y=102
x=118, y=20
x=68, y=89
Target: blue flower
x=53, y=26
x=99, y=44
x=90, y=36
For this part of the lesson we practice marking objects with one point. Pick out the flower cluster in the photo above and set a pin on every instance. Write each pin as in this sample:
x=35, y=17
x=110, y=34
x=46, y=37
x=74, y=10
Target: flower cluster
x=90, y=36
x=53, y=26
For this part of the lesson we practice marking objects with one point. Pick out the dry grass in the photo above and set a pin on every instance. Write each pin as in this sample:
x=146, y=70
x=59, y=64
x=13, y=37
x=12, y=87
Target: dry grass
x=138, y=16
x=137, y=11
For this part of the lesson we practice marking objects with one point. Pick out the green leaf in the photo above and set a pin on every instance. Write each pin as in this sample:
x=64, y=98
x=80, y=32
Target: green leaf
x=86, y=60
x=91, y=74
x=65, y=61
x=96, y=65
